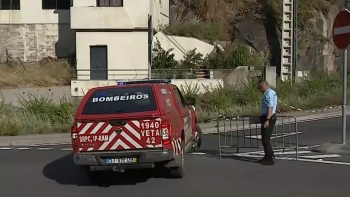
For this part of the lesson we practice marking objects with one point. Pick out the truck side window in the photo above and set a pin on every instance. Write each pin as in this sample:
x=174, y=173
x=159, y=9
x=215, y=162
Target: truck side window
x=179, y=98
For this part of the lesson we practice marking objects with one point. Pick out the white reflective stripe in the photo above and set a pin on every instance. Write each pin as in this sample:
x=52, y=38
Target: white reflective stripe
x=174, y=147
x=136, y=123
x=98, y=126
x=129, y=139
x=120, y=143
x=133, y=131
x=178, y=144
x=109, y=127
x=86, y=127
x=105, y=144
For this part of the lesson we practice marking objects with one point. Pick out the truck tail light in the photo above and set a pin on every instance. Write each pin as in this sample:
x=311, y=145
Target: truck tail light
x=74, y=135
x=166, y=132
x=74, y=132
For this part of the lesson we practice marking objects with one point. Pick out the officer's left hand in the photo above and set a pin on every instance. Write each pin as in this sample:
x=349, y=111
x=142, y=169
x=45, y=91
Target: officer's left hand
x=266, y=124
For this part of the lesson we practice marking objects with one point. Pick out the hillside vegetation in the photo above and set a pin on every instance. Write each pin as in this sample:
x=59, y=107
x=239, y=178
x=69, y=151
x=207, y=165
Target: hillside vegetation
x=255, y=23
x=215, y=19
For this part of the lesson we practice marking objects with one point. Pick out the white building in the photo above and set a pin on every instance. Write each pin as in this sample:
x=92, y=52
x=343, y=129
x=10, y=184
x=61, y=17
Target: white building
x=104, y=34
x=34, y=29
x=112, y=36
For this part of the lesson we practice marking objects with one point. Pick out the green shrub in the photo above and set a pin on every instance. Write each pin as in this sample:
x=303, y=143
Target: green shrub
x=36, y=115
x=320, y=90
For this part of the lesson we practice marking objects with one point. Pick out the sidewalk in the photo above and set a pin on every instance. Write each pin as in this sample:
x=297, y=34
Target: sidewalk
x=207, y=128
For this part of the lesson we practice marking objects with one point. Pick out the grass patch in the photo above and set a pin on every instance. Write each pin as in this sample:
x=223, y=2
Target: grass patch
x=36, y=115
x=39, y=74
x=320, y=90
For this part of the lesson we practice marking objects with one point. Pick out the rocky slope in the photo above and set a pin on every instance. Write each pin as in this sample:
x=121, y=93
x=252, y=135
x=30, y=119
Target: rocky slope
x=257, y=24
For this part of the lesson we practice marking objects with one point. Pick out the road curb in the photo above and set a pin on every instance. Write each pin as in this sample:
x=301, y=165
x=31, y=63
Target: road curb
x=64, y=138
x=29, y=140
x=332, y=148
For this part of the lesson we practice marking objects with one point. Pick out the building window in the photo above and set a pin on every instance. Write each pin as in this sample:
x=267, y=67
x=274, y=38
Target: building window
x=109, y=3
x=56, y=4
x=10, y=4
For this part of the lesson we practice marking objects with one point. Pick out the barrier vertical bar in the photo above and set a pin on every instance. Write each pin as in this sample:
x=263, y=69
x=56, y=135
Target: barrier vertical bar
x=231, y=136
x=237, y=136
x=219, y=140
x=297, y=139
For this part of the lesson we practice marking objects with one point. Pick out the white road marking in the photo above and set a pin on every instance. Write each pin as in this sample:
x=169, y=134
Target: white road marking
x=5, y=148
x=320, y=156
x=197, y=153
x=49, y=144
x=294, y=159
x=66, y=149
x=342, y=30
x=289, y=152
x=23, y=148
x=275, y=136
x=42, y=148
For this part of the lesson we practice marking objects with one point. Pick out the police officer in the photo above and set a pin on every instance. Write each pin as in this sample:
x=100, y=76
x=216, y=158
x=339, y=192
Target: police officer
x=268, y=120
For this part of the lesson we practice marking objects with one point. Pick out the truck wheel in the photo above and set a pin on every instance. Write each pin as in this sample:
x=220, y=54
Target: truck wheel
x=197, y=142
x=179, y=172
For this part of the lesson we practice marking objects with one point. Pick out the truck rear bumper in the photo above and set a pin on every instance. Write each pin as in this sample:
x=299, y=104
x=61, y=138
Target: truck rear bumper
x=145, y=159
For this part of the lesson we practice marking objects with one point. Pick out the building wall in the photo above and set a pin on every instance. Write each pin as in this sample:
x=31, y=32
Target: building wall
x=122, y=29
x=132, y=15
x=31, y=33
x=127, y=53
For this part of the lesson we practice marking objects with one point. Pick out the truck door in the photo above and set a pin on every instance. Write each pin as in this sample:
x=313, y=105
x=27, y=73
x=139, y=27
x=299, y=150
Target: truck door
x=185, y=113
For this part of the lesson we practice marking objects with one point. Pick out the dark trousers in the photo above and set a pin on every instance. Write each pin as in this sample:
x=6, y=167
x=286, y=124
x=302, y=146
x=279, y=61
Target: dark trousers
x=266, y=136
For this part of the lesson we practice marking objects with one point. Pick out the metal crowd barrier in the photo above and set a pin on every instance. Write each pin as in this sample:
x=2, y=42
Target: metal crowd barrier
x=244, y=132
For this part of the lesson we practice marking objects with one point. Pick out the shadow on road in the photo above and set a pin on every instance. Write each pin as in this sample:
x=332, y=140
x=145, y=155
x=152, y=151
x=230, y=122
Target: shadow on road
x=215, y=154
x=64, y=172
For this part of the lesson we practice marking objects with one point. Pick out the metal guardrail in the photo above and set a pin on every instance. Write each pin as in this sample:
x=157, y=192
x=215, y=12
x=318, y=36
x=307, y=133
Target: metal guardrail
x=105, y=74
x=244, y=132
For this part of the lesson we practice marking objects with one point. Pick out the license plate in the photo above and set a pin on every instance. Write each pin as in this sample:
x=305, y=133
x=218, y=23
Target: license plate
x=120, y=160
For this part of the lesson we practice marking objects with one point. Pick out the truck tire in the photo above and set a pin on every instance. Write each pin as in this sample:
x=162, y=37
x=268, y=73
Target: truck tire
x=179, y=171
x=197, y=142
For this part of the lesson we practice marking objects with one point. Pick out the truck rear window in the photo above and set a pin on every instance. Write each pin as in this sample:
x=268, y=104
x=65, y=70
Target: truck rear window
x=120, y=100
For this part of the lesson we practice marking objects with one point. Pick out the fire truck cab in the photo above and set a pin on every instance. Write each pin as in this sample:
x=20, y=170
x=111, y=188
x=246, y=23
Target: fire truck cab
x=134, y=125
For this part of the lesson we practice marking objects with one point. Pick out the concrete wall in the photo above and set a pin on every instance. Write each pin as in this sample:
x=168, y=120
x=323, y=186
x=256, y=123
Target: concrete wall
x=31, y=33
x=79, y=88
x=15, y=95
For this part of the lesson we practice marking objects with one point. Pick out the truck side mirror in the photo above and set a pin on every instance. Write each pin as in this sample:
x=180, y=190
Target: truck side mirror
x=191, y=101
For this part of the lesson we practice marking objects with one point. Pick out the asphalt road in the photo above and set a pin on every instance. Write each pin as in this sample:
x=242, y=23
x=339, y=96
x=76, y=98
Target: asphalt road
x=51, y=173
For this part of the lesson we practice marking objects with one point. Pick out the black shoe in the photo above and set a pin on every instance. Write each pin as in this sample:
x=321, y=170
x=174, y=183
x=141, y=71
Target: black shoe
x=268, y=162
x=261, y=160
